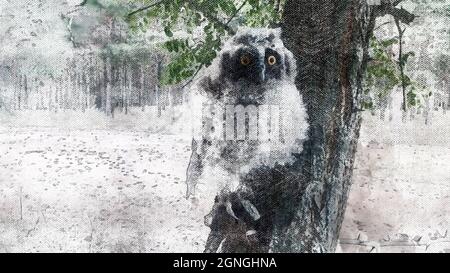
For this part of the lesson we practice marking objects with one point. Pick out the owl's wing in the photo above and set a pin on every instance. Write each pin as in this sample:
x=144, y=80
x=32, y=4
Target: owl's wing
x=195, y=167
x=194, y=170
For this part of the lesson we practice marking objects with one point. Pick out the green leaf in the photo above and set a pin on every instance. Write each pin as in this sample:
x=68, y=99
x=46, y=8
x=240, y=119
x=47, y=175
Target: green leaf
x=389, y=42
x=411, y=98
x=168, y=31
x=227, y=7
x=189, y=15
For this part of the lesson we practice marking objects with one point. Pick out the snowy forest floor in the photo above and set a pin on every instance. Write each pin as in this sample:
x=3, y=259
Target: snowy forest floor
x=122, y=190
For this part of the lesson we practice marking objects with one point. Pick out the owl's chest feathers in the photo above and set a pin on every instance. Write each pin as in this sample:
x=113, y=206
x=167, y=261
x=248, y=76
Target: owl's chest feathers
x=246, y=95
x=240, y=93
x=239, y=156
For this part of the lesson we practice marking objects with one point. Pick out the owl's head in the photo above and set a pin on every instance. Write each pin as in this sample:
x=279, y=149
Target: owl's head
x=256, y=56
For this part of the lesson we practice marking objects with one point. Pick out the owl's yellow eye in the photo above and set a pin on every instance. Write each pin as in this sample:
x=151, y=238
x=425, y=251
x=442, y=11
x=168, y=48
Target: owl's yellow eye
x=245, y=60
x=272, y=60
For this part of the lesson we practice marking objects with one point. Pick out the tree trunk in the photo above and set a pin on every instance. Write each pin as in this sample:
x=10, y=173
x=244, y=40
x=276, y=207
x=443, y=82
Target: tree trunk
x=447, y=85
x=330, y=40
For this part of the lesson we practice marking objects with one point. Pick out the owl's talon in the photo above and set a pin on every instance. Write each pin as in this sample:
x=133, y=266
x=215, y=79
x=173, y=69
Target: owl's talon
x=229, y=208
x=250, y=232
x=252, y=236
x=194, y=201
x=251, y=209
x=208, y=219
x=190, y=191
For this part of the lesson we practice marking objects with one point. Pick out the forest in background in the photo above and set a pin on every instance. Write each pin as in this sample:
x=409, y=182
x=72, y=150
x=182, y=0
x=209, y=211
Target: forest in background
x=61, y=55
x=92, y=65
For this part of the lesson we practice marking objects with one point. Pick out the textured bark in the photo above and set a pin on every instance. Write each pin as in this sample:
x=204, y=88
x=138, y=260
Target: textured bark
x=329, y=39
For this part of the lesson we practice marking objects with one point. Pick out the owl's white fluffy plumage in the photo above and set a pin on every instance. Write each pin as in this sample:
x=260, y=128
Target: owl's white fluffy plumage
x=222, y=161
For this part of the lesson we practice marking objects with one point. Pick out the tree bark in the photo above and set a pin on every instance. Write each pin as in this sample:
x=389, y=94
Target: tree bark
x=329, y=40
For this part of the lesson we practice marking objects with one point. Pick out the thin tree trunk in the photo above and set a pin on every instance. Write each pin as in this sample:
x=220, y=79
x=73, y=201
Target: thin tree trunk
x=108, y=85
x=159, y=90
x=143, y=94
x=400, y=62
x=447, y=84
x=18, y=90
x=26, y=92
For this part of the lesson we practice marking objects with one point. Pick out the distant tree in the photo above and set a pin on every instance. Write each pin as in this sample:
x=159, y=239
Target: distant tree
x=441, y=70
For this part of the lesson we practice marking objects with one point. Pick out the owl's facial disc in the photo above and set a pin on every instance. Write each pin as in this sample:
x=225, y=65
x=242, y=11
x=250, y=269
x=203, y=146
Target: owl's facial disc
x=252, y=65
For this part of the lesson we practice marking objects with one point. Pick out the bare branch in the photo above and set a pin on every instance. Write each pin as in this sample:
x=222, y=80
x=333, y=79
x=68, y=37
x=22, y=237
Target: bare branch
x=385, y=23
x=236, y=13
x=199, y=8
x=82, y=3
x=211, y=17
x=232, y=32
x=193, y=77
x=400, y=14
x=146, y=8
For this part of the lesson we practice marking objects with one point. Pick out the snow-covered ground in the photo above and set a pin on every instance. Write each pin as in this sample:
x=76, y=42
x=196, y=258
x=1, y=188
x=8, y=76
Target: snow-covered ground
x=399, y=190
x=400, y=197
x=96, y=190
x=122, y=190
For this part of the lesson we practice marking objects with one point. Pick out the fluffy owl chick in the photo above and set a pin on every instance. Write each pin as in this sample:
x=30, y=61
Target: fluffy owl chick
x=248, y=113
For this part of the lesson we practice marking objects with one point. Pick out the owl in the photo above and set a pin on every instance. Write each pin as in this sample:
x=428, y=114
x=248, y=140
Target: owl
x=247, y=114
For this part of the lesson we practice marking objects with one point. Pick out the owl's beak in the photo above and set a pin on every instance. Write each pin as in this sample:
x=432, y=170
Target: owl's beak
x=261, y=74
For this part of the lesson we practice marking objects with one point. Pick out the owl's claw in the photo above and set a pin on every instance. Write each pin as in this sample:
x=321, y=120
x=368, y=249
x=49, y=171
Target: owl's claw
x=208, y=219
x=242, y=206
x=190, y=191
x=229, y=208
x=251, y=209
x=236, y=207
x=248, y=206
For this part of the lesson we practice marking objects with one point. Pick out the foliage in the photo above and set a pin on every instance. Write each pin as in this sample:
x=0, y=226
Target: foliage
x=217, y=20
x=195, y=29
x=382, y=73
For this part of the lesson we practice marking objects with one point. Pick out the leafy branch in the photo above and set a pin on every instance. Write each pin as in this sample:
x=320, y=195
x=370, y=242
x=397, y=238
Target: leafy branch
x=212, y=17
x=384, y=72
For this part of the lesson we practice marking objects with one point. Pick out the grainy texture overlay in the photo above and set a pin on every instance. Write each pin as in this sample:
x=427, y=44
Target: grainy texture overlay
x=224, y=126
